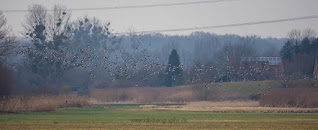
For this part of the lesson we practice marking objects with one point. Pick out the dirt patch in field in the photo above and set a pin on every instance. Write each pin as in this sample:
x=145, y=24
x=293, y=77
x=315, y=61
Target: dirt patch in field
x=229, y=106
x=237, y=103
x=247, y=109
x=148, y=106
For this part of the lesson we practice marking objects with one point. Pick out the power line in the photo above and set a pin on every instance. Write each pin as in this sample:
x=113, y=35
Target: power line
x=231, y=25
x=132, y=6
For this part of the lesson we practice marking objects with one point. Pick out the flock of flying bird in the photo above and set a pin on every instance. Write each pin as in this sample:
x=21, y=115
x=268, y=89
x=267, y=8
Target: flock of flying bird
x=127, y=64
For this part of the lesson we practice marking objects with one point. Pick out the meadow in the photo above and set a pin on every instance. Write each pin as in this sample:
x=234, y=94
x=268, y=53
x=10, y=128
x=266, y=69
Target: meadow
x=123, y=116
x=203, y=106
x=187, y=93
x=226, y=91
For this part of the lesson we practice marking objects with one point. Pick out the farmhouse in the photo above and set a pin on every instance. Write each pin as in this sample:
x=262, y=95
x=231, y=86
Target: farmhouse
x=257, y=68
x=273, y=67
x=263, y=64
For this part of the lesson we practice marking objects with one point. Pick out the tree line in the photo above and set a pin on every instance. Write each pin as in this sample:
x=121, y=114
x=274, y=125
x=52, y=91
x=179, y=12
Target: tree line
x=58, y=54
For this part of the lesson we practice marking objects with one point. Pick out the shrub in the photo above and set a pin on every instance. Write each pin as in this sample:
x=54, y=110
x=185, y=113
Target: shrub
x=204, y=93
x=65, y=90
x=254, y=97
x=5, y=81
x=144, y=94
x=154, y=94
x=290, y=97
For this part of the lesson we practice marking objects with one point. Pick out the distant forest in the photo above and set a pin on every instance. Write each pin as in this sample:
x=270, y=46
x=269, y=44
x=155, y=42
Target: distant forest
x=56, y=53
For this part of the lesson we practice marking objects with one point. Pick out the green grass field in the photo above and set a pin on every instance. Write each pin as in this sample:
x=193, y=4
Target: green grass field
x=121, y=116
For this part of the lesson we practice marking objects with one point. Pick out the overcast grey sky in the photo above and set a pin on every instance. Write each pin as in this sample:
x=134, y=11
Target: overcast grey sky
x=184, y=16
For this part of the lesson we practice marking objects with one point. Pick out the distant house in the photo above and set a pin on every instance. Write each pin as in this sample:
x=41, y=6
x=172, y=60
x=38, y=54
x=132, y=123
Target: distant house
x=262, y=68
x=258, y=68
x=272, y=61
x=272, y=64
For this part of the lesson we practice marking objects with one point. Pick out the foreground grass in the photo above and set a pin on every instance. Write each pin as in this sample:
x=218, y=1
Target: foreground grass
x=120, y=116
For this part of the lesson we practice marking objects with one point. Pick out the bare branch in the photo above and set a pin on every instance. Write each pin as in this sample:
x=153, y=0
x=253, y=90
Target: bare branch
x=3, y=28
x=309, y=33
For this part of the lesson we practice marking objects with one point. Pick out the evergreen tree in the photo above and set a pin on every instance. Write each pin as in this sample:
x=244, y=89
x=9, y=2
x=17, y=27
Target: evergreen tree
x=305, y=46
x=173, y=75
x=314, y=46
x=287, y=51
x=297, y=49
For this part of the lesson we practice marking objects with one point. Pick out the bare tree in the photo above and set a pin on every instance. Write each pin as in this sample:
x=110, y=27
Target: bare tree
x=309, y=33
x=3, y=28
x=205, y=48
x=35, y=23
x=3, y=33
x=5, y=50
x=295, y=36
x=245, y=48
x=6, y=41
x=58, y=22
x=233, y=52
x=47, y=56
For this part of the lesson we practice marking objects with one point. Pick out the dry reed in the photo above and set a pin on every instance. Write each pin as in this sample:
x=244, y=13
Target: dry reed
x=40, y=103
x=159, y=95
x=144, y=94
